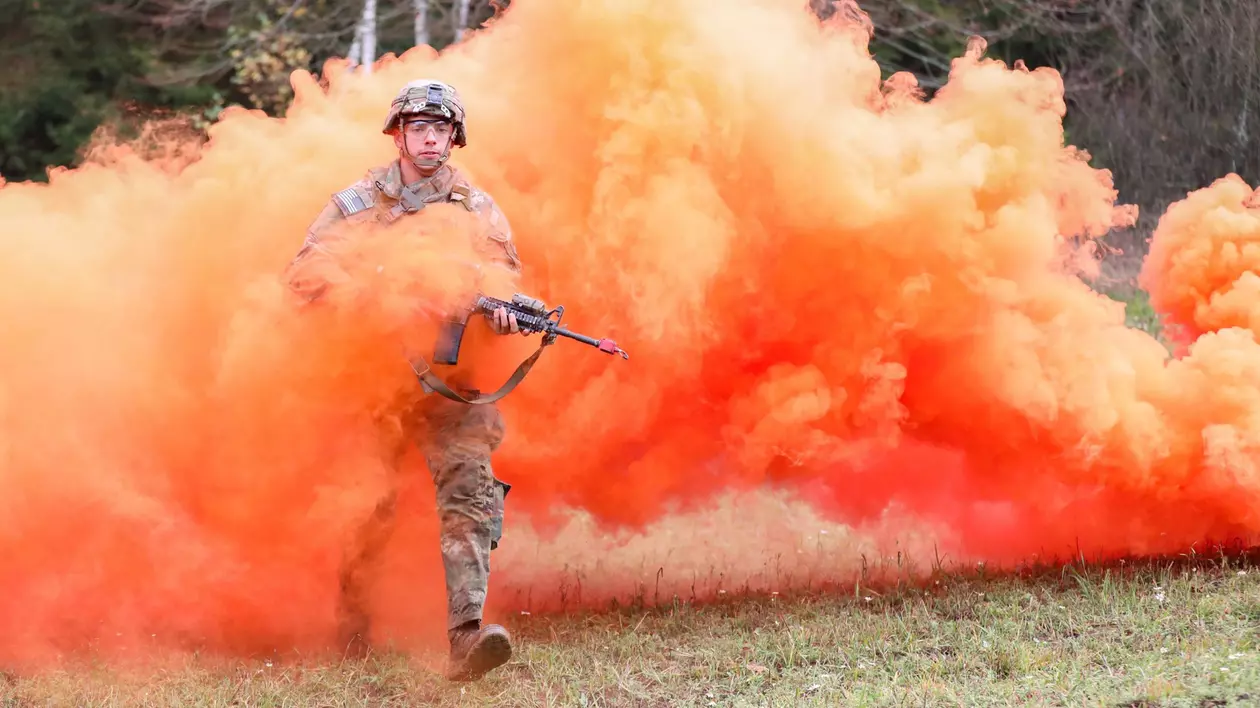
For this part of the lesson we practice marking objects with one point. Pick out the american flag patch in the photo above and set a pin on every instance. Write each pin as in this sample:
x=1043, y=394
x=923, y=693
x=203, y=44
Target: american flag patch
x=349, y=201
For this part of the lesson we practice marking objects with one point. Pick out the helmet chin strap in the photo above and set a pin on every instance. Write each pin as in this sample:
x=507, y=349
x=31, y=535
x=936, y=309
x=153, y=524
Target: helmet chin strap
x=433, y=163
x=446, y=153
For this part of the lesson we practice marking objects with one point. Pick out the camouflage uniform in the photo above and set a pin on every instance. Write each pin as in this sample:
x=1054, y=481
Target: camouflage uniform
x=381, y=197
x=457, y=439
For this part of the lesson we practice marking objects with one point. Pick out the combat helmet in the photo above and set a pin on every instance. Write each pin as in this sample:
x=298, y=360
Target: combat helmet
x=428, y=97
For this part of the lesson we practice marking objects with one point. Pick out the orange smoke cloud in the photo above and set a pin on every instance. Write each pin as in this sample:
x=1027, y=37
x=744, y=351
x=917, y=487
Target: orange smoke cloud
x=825, y=283
x=1202, y=268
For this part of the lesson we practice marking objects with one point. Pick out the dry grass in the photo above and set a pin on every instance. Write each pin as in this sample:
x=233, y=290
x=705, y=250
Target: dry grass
x=1170, y=632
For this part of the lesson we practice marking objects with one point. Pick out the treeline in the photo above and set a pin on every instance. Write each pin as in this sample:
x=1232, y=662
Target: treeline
x=1166, y=93
x=70, y=66
x=1162, y=92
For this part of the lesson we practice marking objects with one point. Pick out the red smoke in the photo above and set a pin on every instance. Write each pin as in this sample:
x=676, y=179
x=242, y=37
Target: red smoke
x=824, y=283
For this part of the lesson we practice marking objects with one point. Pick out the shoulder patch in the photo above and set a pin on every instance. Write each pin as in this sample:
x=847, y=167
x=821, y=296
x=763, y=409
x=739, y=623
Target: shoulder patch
x=350, y=201
x=500, y=231
x=465, y=195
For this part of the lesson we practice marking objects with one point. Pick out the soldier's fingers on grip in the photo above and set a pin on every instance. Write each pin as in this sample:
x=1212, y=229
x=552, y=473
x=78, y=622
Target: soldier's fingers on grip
x=500, y=319
x=514, y=326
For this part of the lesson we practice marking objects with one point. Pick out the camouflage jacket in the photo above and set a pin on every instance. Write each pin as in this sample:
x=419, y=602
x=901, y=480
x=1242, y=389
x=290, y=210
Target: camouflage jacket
x=381, y=196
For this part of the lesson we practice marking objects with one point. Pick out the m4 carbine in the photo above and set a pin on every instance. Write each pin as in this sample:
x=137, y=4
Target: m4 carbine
x=532, y=316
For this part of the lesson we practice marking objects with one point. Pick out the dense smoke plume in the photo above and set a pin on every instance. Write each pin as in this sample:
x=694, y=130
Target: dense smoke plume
x=826, y=284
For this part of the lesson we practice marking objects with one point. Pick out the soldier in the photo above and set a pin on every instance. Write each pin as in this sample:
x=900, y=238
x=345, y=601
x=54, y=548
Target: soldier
x=426, y=120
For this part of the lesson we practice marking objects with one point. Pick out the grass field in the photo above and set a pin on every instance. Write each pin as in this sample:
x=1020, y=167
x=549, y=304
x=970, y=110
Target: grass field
x=1171, y=632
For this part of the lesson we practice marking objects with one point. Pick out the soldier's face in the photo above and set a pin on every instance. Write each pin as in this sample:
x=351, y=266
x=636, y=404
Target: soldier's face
x=425, y=138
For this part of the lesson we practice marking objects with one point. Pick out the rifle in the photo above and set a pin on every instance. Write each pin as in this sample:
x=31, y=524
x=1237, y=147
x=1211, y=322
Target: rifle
x=532, y=316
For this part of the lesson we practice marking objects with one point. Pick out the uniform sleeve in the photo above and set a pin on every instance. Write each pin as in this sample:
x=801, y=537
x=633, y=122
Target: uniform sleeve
x=498, y=231
x=302, y=273
x=308, y=272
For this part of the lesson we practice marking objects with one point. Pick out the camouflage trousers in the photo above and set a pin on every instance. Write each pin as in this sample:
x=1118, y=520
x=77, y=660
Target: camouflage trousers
x=457, y=441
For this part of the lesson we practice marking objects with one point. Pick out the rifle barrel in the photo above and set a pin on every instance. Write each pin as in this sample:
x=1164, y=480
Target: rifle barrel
x=574, y=335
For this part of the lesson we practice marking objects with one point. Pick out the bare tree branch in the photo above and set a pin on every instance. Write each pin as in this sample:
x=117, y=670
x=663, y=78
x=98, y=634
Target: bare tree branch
x=367, y=33
x=421, y=8
x=461, y=18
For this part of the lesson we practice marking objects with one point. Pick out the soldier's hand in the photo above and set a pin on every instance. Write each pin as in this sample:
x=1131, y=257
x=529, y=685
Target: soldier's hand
x=505, y=322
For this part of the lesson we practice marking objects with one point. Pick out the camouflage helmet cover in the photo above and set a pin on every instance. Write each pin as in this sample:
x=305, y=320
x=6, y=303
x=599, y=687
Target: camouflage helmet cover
x=428, y=97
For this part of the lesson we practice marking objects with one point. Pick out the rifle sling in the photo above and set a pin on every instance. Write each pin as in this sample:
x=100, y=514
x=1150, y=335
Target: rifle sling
x=427, y=376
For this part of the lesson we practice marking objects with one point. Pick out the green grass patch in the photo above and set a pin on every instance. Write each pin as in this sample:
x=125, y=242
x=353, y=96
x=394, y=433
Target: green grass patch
x=1171, y=632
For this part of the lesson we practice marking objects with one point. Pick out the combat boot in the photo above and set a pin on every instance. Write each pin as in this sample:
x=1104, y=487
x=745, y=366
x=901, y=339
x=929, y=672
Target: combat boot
x=477, y=650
